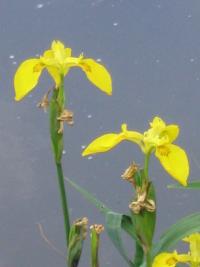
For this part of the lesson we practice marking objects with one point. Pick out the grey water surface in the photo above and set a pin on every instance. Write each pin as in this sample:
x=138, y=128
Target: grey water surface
x=152, y=49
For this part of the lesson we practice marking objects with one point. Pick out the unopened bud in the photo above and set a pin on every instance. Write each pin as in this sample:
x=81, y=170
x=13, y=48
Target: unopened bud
x=83, y=224
x=98, y=228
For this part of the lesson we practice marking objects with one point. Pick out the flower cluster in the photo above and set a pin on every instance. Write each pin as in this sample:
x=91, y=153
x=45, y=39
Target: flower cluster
x=57, y=61
x=192, y=258
x=157, y=139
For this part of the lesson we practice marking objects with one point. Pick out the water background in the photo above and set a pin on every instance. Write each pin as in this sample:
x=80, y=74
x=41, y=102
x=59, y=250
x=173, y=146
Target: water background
x=152, y=49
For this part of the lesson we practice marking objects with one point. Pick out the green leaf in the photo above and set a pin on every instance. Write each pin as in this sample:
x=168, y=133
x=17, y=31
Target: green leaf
x=192, y=185
x=77, y=235
x=94, y=247
x=145, y=221
x=56, y=138
x=115, y=222
x=176, y=232
x=114, y=229
x=91, y=198
x=128, y=227
x=127, y=224
x=139, y=254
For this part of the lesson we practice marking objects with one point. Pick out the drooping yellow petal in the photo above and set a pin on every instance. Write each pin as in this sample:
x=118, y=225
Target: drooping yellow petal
x=172, y=131
x=165, y=260
x=174, y=160
x=26, y=77
x=97, y=74
x=170, y=259
x=102, y=144
x=106, y=142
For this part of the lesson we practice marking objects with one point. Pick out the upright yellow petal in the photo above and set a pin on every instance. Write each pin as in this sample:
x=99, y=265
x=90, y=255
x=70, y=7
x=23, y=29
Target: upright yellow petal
x=97, y=74
x=26, y=77
x=158, y=123
x=59, y=50
x=174, y=160
x=54, y=74
x=194, y=241
x=102, y=144
x=68, y=52
x=172, y=132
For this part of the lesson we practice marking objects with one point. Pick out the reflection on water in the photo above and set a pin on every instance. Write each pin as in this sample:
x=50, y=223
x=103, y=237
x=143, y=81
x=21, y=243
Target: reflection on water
x=152, y=50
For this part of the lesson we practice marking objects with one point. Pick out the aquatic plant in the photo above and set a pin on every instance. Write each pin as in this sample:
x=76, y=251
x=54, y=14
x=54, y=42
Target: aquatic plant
x=158, y=139
x=57, y=61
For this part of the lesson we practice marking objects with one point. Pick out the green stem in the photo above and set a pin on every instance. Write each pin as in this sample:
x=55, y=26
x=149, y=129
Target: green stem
x=63, y=201
x=146, y=165
x=56, y=107
x=139, y=254
x=148, y=260
x=94, y=249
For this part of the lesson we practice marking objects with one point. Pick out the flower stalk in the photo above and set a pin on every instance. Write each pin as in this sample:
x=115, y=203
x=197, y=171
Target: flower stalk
x=64, y=201
x=57, y=103
x=146, y=165
x=77, y=235
x=96, y=230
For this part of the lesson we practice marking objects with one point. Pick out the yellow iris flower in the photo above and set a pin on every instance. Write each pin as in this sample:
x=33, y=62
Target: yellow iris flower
x=158, y=138
x=194, y=243
x=171, y=259
x=58, y=60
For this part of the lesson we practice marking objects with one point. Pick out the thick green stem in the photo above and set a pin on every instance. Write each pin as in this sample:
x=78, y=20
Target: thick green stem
x=56, y=107
x=94, y=248
x=63, y=198
x=148, y=260
x=139, y=254
x=146, y=165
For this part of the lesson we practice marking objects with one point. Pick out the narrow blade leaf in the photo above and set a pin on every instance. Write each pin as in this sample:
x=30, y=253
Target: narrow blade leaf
x=91, y=198
x=114, y=229
x=192, y=185
x=176, y=232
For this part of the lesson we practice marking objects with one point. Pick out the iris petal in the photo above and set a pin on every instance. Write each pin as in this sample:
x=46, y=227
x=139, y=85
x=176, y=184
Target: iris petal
x=172, y=132
x=174, y=160
x=103, y=143
x=97, y=74
x=26, y=77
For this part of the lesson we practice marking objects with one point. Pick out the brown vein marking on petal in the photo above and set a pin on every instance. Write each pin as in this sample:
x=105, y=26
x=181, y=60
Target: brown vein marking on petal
x=38, y=67
x=98, y=228
x=129, y=173
x=164, y=151
x=66, y=116
x=86, y=67
x=171, y=261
